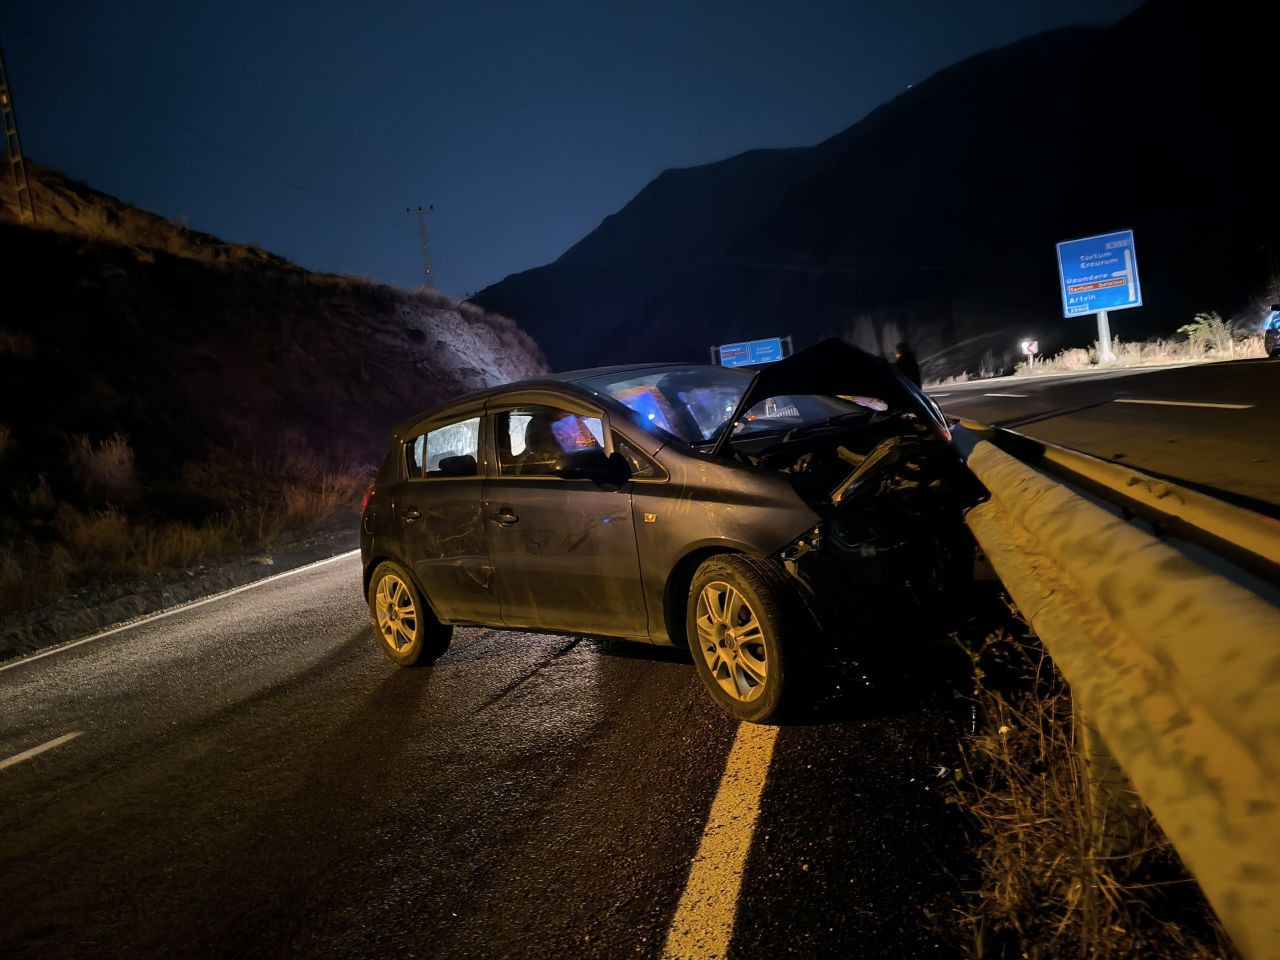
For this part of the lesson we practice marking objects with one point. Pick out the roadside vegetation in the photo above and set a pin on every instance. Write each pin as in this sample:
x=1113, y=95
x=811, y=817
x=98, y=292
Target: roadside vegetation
x=95, y=523
x=1207, y=337
x=1050, y=885
x=170, y=400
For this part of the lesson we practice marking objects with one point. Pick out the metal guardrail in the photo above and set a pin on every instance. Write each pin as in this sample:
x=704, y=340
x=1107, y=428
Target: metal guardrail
x=1174, y=667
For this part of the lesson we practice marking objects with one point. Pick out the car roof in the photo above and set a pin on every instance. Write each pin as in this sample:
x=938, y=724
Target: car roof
x=551, y=380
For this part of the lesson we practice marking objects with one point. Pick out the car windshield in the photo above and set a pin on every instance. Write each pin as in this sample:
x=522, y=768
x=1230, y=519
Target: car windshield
x=693, y=403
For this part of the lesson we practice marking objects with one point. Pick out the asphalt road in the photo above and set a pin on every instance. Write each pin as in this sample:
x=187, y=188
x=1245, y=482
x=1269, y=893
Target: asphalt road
x=250, y=777
x=1215, y=426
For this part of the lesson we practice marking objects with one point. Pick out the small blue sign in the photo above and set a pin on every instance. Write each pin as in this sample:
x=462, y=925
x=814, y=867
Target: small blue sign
x=750, y=353
x=1099, y=273
x=766, y=351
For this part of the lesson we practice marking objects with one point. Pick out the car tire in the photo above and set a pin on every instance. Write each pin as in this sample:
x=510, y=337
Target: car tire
x=742, y=622
x=405, y=628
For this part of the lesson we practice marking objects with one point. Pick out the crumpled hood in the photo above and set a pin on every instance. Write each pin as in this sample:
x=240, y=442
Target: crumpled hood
x=832, y=368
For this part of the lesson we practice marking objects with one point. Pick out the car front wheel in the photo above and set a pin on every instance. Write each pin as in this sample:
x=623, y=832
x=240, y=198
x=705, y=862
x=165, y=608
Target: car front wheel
x=741, y=615
x=407, y=630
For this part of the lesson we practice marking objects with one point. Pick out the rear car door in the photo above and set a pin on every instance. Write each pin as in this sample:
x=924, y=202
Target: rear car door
x=563, y=551
x=440, y=516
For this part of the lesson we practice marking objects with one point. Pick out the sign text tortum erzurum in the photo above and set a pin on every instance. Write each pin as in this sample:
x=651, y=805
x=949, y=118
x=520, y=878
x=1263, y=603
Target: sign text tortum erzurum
x=1099, y=273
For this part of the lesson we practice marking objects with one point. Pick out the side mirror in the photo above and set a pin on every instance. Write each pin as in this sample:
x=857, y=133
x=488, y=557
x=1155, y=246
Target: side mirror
x=460, y=466
x=594, y=465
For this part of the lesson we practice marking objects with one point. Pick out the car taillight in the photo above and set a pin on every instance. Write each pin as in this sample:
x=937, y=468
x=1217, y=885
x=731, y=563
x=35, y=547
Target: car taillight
x=368, y=496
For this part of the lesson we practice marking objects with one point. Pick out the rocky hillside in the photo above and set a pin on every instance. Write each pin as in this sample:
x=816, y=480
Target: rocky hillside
x=934, y=219
x=158, y=384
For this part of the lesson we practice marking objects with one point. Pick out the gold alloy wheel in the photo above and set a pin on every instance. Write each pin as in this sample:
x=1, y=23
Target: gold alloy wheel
x=732, y=641
x=396, y=612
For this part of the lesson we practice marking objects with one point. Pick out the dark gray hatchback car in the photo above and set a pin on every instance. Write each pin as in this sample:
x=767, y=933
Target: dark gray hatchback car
x=744, y=516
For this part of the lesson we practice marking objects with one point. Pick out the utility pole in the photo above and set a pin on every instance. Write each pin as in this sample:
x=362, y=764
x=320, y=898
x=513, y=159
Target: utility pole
x=17, y=169
x=428, y=278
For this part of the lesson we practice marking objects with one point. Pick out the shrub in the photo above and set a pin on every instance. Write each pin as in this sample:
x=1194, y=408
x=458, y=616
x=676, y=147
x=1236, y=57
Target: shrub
x=16, y=344
x=1209, y=333
x=30, y=575
x=1051, y=885
x=105, y=471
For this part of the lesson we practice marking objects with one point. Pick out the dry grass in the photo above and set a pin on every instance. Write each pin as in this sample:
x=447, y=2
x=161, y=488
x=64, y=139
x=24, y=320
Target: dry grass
x=105, y=470
x=1205, y=341
x=31, y=574
x=1049, y=886
x=295, y=492
x=16, y=344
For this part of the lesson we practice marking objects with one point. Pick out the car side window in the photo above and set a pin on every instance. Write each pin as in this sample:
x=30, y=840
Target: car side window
x=532, y=439
x=451, y=450
x=642, y=468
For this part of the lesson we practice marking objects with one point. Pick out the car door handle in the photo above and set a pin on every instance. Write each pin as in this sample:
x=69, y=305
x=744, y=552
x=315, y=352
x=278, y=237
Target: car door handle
x=504, y=517
x=412, y=514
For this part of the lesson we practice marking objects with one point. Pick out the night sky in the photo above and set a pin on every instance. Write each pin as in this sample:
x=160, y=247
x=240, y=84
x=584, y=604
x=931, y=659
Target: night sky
x=308, y=128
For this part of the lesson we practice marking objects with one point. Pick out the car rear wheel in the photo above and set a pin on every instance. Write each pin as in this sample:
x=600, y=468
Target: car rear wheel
x=741, y=615
x=407, y=631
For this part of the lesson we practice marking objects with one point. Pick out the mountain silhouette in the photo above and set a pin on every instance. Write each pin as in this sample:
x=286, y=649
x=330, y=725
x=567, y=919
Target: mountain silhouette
x=934, y=218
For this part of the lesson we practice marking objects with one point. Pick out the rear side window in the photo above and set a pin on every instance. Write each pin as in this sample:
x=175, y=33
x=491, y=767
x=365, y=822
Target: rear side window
x=452, y=450
x=532, y=439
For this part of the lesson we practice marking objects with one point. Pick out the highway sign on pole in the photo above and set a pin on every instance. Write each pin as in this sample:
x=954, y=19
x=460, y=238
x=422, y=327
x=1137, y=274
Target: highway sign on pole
x=1099, y=274
x=750, y=353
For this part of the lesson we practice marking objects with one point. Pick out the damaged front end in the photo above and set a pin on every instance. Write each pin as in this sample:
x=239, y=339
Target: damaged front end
x=882, y=472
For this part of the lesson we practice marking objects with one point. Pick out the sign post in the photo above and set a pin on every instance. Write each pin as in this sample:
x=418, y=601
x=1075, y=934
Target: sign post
x=1099, y=274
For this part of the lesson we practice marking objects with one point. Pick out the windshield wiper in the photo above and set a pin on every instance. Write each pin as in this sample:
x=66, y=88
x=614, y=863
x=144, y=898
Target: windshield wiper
x=828, y=422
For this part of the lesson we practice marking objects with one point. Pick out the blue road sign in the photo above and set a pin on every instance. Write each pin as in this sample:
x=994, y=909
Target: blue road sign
x=1099, y=273
x=766, y=351
x=749, y=353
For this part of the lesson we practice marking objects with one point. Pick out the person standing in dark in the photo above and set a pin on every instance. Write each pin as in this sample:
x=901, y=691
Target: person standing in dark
x=907, y=364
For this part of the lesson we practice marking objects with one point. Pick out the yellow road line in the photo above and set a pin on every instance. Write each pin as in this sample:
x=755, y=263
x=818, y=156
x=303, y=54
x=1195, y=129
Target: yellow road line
x=703, y=924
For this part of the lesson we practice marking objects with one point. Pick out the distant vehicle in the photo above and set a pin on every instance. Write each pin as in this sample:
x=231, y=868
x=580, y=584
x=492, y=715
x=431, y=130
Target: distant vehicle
x=749, y=518
x=1271, y=331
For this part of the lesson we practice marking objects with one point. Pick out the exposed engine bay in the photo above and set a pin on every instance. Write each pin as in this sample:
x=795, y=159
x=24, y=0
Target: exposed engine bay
x=892, y=492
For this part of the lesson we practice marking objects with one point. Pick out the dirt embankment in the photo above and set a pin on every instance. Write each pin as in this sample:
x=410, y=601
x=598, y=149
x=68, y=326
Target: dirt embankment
x=168, y=399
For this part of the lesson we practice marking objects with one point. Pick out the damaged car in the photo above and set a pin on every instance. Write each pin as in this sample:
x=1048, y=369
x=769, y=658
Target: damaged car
x=749, y=517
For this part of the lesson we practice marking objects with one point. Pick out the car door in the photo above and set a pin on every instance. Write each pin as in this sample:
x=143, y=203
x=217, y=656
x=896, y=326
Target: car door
x=563, y=551
x=441, y=519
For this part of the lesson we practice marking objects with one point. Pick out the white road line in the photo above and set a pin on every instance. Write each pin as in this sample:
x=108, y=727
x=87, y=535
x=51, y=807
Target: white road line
x=1020, y=396
x=703, y=924
x=36, y=751
x=180, y=608
x=939, y=394
x=1188, y=403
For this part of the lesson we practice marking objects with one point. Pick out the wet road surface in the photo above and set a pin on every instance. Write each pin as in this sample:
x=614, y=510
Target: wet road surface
x=252, y=778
